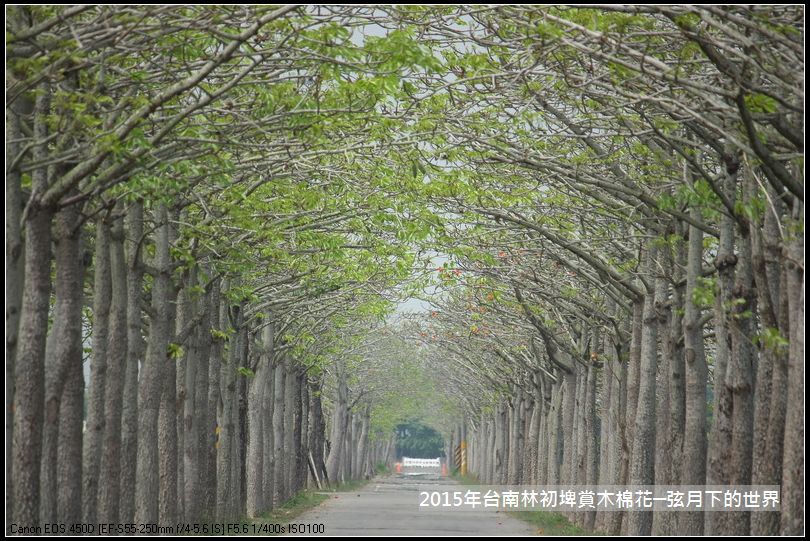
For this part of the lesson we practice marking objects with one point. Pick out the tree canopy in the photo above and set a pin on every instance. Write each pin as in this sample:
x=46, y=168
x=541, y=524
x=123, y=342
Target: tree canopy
x=220, y=211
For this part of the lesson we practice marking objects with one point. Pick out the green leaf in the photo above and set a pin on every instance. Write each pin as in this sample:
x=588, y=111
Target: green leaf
x=175, y=351
x=247, y=372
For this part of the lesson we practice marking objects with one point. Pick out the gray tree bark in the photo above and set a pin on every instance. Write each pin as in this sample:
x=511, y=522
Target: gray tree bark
x=720, y=440
x=793, y=465
x=302, y=426
x=279, y=460
x=29, y=377
x=150, y=385
x=94, y=433
x=514, y=407
x=257, y=397
x=771, y=373
x=135, y=351
x=567, y=475
x=268, y=457
x=167, y=415
x=226, y=424
x=740, y=381
x=696, y=372
x=643, y=458
x=110, y=473
x=189, y=385
x=591, y=437
x=501, y=444
x=338, y=429
x=64, y=363
x=292, y=414
x=15, y=261
x=211, y=428
x=555, y=444
x=318, y=430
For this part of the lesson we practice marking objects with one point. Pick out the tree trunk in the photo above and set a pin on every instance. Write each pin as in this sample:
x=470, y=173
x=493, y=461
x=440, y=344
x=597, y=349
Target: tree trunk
x=567, y=475
x=338, y=430
x=257, y=397
x=677, y=390
x=196, y=415
x=193, y=306
x=225, y=475
x=167, y=416
x=362, y=448
x=302, y=426
x=292, y=437
x=29, y=376
x=533, y=441
x=591, y=448
x=279, y=462
x=501, y=445
x=515, y=438
x=740, y=381
x=64, y=365
x=150, y=384
x=555, y=444
x=793, y=465
x=240, y=423
x=94, y=433
x=619, y=448
x=696, y=371
x=663, y=452
x=211, y=427
x=184, y=315
x=771, y=372
x=720, y=441
x=69, y=456
x=543, y=437
x=642, y=460
x=15, y=264
x=317, y=430
x=110, y=474
x=579, y=457
x=135, y=350
x=631, y=402
x=345, y=473
x=268, y=457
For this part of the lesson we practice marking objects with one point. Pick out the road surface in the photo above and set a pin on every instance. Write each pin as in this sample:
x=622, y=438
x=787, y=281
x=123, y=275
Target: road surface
x=390, y=506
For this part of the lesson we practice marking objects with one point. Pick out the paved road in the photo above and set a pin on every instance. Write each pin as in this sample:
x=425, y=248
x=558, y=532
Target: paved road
x=389, y=506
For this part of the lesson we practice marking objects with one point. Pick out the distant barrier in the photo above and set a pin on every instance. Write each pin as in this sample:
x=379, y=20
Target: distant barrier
x=421, y=462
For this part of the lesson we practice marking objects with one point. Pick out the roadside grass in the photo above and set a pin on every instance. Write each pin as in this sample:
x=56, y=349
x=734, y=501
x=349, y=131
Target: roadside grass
x=292, y=508
x=349, y=486
x=544, y=522
x=299, y=504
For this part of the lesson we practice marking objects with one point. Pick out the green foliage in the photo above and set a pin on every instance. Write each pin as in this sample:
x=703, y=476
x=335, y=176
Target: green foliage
x=753, y=209
x=760, y=103
x=246, y=372
x=222, y=336
x=772, y=339
x=703, y=294
x=175, y=351
x=416, y=440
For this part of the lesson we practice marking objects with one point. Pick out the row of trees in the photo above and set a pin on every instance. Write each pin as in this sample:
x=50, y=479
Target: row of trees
x=198, y=207
x=214, y=206
x=625, y=300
